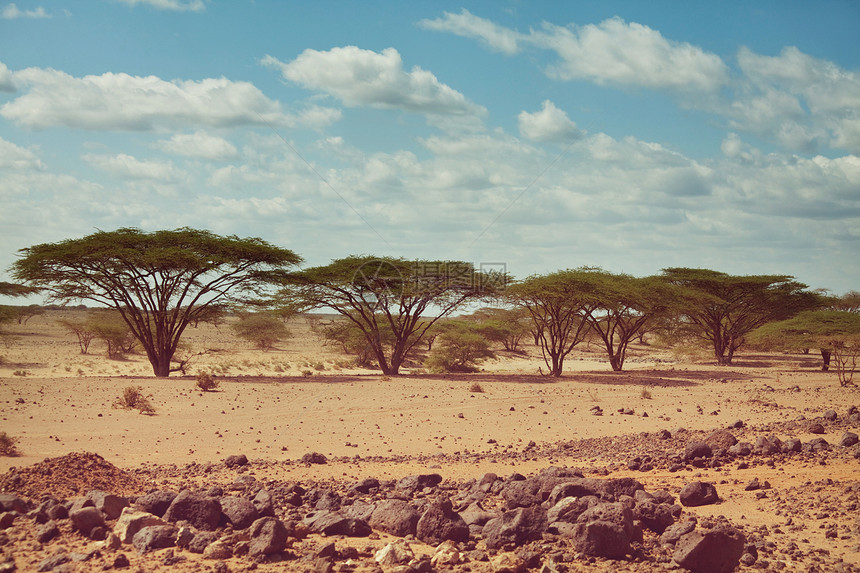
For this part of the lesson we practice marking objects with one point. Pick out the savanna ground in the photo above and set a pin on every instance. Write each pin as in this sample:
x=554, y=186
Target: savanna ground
x=303, y=397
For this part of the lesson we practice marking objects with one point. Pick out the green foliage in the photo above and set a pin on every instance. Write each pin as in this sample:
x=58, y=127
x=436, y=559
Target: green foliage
x=555, y=302
x=207, y=382
x=262, y=329
x=109, y=327
x=160, y=282
x=502, y=325
x=379, y=294
x=7, y=445
x=82, y=331
x=352, y=340
x=133, y=399
x=460, y=348
x=835, y=332
x=723, y=309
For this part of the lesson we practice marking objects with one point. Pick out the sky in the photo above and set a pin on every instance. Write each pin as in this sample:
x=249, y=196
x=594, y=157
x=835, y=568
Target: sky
x=540, y=135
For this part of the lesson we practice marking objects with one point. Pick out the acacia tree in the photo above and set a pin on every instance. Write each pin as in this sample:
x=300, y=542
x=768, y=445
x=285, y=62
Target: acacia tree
x=388, y=297
x=722, y=309
x=159, y=282
x=618, y=307
x=556, y=304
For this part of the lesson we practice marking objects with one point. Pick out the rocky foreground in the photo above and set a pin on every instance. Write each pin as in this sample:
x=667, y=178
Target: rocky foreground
x=78, y=512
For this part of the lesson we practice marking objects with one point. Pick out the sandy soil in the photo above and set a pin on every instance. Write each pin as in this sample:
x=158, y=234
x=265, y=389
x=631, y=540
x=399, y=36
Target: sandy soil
x=56, y=400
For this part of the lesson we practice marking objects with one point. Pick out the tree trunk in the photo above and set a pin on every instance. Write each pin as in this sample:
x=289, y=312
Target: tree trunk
x=825, y=357
x=616, y=361
x=160, y=366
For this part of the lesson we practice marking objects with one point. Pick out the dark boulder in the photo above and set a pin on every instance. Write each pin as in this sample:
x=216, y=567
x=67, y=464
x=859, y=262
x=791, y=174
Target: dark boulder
x=440, y=522
x=268, y=535
x=200, y=511
x=239, y=511
x=715, y=550
x=698, y=493
x=395, y=516
x=154, y=537
x=515, y=527
x=156, y=502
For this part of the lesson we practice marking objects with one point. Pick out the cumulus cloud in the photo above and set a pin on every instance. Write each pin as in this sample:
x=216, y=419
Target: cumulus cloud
x=200, y=145
x=118, y=101
x=548, y=124
x=172, y=5
x=796, y=100
x=12, y=12
x=13, y=157
x=7, y=84
x=622, y=53
x=127, y=167
x=361, y=77
x=468, y=25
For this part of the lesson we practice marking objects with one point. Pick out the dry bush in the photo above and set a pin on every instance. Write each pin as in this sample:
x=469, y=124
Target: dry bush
x=476, y=388
x=7, y=445
x=207, y=382
x=132, y=398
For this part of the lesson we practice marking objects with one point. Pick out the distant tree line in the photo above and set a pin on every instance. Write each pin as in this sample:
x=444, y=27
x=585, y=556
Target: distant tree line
x=158, y=283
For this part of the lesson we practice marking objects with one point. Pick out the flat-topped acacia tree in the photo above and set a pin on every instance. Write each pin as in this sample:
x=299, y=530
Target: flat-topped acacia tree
x=389, y=299
x=723, y=309
x=159, y=281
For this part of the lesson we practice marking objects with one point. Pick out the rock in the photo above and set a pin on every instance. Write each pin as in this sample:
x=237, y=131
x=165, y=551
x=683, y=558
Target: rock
x=366, y=485
x=264, y=503
x=524, y=493
x=239, y=511
x=446, y=555
x=121, y=561
x=86, y=519
x=268, y=535
x=58, y=512
x=395, y=553
x=697, y=450
x=507, y=563
x=415, y=483
x=818, y=445
x=201, y=540
x=715, y=550
x=698, y=493
x=47, y=531
x=721, y=439
x=848, y=439
x=764, y=447
x=816, y=428
x=199, y=510
x=440, y=523
x=54, y=562
x=154, y=537
x=7, y=518
x=217, y=550
x=156, y=502
x=10, y=502
x=314, y=458
x=568, y=509
x=109, y=504
x=515, y=527
x=335, y=523
x=655, y=516
x=740, y=449
x=605, y=530
x=394, y=516
x=791, y=445
x=673, y=533
x=235, y=461
x=131, y=521
x=831, y=415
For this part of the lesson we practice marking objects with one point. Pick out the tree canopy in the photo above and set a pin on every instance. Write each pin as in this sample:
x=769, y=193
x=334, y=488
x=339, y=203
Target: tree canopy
x=722, y=309
x=389, y=296
x=158, y=281
x=556, y=304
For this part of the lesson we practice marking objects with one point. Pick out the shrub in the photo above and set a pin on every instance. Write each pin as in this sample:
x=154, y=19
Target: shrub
x=307, y=373
x=262, y=329
x=133, y=398
x=461, y=349
x=646, y=394
x=7, y=445
x=207, y=382
x=476, y=388
x=110, y=328
x=82, y=330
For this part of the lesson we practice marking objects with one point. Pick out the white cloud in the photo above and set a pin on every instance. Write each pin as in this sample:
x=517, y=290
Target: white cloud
x=128, y=167
x=172, y=5
x=621, y=53
x=360, y=77
x=7, y=84
x=796, y=100
x=12, y=12
x=200, y=145
x=548, y=124
x=13, y=157
x=118, y=101
x=468, y=25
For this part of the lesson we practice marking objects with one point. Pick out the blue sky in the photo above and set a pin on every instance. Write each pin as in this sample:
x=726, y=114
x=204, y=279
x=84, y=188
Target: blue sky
x=544, y=135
